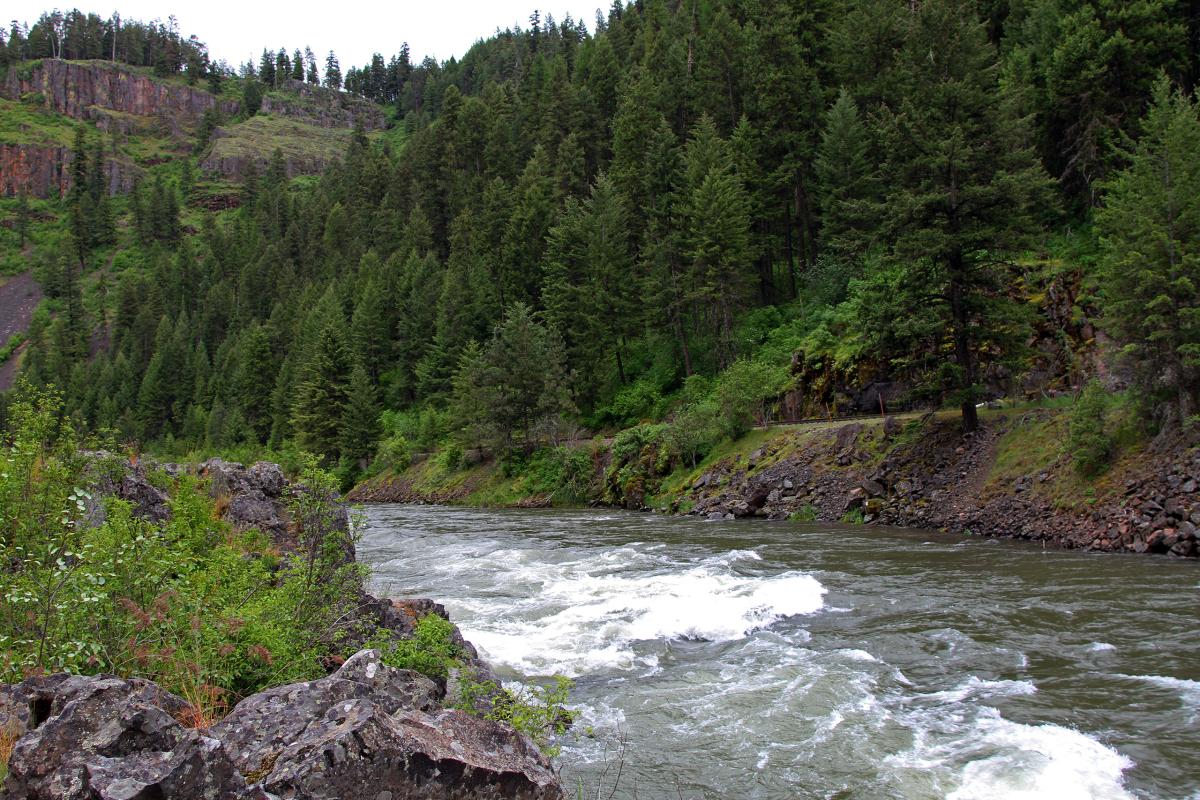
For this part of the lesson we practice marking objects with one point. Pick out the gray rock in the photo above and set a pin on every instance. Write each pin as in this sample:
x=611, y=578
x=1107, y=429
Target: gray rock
x=874, y=488
x=787, y=484
x=196, y=768
x=267, y=478
x=100, y=736
x=359, y=750
x=261, y=726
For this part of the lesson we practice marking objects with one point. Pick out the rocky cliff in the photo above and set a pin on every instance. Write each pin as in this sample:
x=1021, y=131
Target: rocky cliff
x=366, y=731
x=45, y=171
x=89, y=90
x=311, y=124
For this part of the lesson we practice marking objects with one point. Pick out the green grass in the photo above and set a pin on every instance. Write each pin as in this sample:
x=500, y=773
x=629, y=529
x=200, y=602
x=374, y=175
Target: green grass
x=261, y=135
x=27, y=124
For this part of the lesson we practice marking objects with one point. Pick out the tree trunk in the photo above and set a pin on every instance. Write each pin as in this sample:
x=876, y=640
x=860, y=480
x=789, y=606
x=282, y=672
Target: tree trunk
x=962, y=343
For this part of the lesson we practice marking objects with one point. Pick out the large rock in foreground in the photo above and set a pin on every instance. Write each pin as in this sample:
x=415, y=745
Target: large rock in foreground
x=367, y=731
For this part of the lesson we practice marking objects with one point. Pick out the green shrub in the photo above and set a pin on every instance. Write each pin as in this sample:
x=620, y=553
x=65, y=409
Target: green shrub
x=566, y=474
x=208, y=614
x=1088, y=441
x=431, y=651
x=394, y=454
x=538, y=712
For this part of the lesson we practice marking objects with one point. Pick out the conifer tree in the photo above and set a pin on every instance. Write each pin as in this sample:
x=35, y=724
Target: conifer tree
x=1150, y=228
x=962, y=184
x=322, y=395
x=360, y=419
x=846, y=178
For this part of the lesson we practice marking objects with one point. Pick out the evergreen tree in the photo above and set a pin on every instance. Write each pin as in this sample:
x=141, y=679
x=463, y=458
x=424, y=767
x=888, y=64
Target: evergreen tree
x=323, y=395
x=962, y=184
x=846, y=178
x=1150, y=228
x=333, y=72
x=360, y=420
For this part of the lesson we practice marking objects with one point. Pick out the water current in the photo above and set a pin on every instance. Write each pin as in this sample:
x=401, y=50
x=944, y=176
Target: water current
x=787, y=660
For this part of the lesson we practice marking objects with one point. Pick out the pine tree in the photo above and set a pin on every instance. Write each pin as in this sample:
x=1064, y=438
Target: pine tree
x=962, y=184
x=322, y=395
x=333, y=73
x=360, y=419
x=1150, y=229
x=716, y=235
x=846, y=178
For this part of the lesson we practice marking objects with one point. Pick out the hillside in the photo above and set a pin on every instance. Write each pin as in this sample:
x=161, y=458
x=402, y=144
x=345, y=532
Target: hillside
x=665, y=230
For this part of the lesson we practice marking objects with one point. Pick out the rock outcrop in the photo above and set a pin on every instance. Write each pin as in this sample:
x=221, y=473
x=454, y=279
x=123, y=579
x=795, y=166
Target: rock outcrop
x=368, y=730
x=323, y=108
x=88, y=90
x=45, y=171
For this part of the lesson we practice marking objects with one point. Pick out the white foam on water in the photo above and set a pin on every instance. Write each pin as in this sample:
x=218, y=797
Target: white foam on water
x=973, y=687
x=580, y=617
x=1034, y=762
x=1100, y=647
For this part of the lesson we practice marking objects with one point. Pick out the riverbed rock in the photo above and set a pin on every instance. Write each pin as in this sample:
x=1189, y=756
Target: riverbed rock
x=359, y=750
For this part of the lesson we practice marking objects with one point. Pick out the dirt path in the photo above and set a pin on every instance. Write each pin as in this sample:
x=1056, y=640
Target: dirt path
x=19, y=296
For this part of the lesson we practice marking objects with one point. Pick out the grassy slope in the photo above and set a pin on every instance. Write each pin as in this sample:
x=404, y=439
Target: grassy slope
x=28, y=124
x=260, y=135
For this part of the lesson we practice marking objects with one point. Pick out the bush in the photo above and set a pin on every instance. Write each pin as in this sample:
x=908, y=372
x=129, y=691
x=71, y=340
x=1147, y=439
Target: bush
x=208, y=614
x=431, y=651
x=565, y=474
x=1088, y=441
x=538, y=712
x=394, y=454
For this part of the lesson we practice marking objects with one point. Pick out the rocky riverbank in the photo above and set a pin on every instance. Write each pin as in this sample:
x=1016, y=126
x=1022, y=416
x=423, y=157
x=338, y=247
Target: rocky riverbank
x=1010, y=479
x=365, y=730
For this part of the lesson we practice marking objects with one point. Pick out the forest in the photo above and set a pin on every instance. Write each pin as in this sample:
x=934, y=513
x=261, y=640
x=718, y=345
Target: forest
x=685, y=215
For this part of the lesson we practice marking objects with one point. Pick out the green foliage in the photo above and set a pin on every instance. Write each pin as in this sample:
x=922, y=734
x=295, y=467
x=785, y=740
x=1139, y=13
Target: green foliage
x=431, y=651
x=89, y=587
x=537, y=711
x=1088, y=442
x=1150, y=232
x=563, y=474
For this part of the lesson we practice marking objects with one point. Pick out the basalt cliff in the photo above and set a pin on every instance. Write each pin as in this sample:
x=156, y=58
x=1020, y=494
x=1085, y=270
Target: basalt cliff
x=311, y=125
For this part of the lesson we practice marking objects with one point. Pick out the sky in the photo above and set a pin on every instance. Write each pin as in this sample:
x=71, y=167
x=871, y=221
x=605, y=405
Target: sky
x=237, y=31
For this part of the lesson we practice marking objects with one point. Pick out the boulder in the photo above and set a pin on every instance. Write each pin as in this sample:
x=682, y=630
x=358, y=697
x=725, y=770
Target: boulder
x=106, y=737
x=260, y=727
x=847, y=435
x=359, y=750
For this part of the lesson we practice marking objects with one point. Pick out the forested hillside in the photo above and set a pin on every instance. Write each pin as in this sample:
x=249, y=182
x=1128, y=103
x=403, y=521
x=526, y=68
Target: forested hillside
x=698, y=213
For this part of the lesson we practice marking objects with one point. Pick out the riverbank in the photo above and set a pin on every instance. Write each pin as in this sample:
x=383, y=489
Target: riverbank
x=1013, y=479
x=242, y=657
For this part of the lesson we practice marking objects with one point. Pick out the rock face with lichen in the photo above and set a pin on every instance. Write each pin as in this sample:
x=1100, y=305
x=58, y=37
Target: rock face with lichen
x=367, y=730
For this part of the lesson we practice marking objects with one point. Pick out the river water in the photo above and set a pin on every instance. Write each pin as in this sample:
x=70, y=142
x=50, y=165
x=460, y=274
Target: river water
x=789, y=660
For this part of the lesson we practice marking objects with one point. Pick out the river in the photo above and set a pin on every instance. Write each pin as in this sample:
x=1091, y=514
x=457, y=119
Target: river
x=789, y=660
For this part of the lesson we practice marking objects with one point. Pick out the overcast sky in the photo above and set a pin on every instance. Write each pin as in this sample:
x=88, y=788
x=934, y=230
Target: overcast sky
x=236, y=31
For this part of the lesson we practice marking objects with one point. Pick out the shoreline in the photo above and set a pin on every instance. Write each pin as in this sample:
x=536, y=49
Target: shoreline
x=1010, y=480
